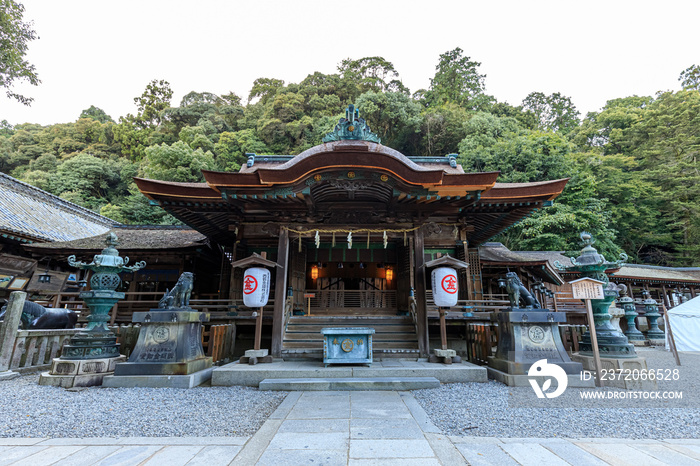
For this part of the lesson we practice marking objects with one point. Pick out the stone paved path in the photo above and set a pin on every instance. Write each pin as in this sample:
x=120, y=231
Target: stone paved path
x=347, y=428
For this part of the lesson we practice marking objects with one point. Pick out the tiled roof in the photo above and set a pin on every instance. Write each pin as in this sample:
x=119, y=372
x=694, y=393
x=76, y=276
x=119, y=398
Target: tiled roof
x=29, y=214
x=132, y=237
x=655, y=273
x=498, y=253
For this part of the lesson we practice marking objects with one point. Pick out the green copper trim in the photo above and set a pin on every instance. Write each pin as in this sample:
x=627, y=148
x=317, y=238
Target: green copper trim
x=352, y=127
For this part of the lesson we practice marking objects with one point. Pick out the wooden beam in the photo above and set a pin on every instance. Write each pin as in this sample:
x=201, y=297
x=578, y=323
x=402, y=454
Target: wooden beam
x=421, y=309
x=280, y=293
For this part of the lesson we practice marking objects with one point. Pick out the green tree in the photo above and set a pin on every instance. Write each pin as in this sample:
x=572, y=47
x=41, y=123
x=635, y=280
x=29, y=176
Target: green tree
x=96, y=114
x=690, y=78
x=394, y=116
x=667, y=144
x=457, y=80
x=554, y=112
x=177, y=162
x=265, y=88
x=372, y=74
x=15, y=35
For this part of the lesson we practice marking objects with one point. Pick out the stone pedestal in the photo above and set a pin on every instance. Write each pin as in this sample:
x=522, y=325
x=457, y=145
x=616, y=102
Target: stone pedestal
x=625, y=366
x=445, y=356
x=168, y=352
x=254, y=356
x=69, y=373
x=525, y=337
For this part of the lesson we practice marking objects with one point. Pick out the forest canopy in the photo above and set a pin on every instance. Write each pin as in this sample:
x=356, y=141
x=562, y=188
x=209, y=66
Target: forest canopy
x=633, y=165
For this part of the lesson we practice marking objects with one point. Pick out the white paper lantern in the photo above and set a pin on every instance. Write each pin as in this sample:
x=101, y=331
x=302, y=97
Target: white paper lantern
x=256, y=287
x=445, y=287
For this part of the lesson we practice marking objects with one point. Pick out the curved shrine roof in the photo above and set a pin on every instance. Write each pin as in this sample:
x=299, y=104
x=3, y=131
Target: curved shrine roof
x=337, y=177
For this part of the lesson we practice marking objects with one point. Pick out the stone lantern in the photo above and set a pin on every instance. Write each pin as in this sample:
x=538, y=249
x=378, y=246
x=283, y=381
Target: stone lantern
x=631, y=314
x=651, y=309
x=591, y=264
x=93, y=352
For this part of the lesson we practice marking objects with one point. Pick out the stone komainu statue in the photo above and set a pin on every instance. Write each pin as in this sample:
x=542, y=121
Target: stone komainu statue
x=179, y=296
x=517, y=292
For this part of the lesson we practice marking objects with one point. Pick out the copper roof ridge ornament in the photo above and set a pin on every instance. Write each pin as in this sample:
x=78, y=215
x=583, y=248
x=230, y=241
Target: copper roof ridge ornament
x=352, y=127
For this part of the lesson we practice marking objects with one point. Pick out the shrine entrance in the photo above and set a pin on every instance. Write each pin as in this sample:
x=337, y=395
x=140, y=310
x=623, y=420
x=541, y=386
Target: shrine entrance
x=360, y=281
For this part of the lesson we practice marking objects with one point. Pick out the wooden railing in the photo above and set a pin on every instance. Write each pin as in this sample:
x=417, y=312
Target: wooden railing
x=364, y=299
x=124, y=309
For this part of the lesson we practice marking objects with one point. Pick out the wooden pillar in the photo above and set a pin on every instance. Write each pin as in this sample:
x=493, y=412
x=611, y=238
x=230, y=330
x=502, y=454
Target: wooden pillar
x=280, y=293
x=465, y=245
x=421, y=311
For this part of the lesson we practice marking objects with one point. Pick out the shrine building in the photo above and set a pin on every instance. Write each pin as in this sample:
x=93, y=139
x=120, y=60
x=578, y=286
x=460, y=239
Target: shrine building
x=351, y=225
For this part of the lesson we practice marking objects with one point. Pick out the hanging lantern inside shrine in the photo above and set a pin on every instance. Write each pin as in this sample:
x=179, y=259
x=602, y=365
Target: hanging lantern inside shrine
x=256, y=287
x=445, y=287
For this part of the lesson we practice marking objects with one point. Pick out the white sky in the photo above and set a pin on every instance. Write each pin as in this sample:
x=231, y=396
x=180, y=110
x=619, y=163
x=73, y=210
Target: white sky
x=105, y=53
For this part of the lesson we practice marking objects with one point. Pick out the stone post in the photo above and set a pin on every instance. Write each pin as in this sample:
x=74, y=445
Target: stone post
x=8, y=333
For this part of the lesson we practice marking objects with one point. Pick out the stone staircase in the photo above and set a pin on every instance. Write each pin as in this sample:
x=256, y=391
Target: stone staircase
x=394, y=337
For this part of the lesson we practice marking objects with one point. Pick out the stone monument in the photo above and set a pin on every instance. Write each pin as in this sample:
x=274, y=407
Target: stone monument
x=169, y=350
x=93, y=352
x=528, y=333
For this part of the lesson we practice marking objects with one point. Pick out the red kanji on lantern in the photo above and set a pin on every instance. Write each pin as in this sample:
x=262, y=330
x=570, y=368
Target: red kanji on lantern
x=449, y=284
x=250, y=284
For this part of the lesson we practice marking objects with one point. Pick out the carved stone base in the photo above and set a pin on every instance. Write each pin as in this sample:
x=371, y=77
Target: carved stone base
x=169, y=344
x=527, y=335
x=69, y=373
x=91, y=345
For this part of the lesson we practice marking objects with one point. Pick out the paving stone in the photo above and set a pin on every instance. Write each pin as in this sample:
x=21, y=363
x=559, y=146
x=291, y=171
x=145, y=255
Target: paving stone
x=316, y=425
x=173, y=456
x=131, y=455
x=88, y=456
x=48, y=456
x=20, y=441
x=573, y=454
x=215, y=456
x=309, y=441
x=393, y=462
x=17, y=453
x=350, y=383
x=485, y=454
x=445, y=450
x=666, y=455
x=390, y=448
x=531, y=454
x=104, y=441
x=384, y=429
x=286, y=406
x=301, y=457
x=257, y=443
x=418, y=413
x=618, y=454
x=691, y=451
x=381, y=411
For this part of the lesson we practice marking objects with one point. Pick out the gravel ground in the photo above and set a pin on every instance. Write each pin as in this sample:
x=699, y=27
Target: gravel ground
x=30, y=410
x=496, y=410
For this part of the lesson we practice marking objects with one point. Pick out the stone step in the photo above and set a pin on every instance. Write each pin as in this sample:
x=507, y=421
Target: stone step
x=377, y=328
x=396, y=344
x=350, y=383
x=363, y=318
x=387, y=336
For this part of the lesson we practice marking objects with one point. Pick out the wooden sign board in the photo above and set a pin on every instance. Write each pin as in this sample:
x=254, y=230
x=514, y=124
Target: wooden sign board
x=587, y=288
x=309, y=295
